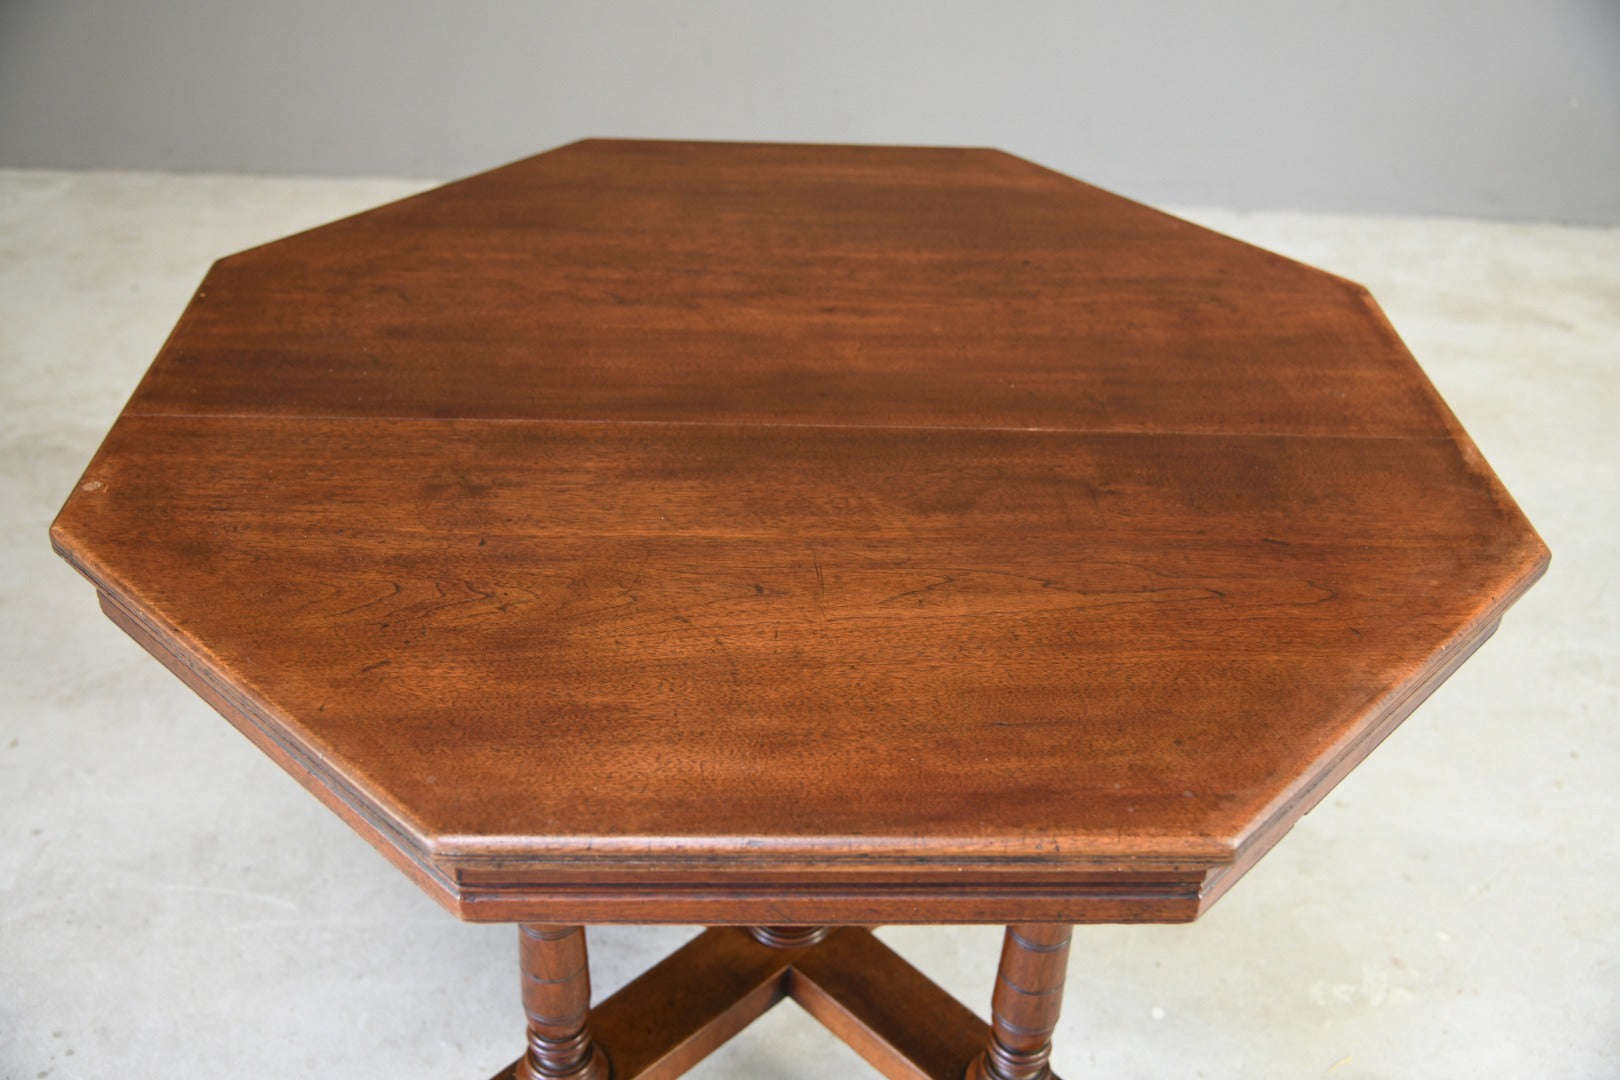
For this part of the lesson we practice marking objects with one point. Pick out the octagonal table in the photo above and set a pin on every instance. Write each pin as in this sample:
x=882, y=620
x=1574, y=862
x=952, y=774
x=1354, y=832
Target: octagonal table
x=792, y=539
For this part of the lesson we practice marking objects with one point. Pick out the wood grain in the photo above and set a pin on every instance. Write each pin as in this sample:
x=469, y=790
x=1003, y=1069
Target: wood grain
x=883, y=286
x=794, y=535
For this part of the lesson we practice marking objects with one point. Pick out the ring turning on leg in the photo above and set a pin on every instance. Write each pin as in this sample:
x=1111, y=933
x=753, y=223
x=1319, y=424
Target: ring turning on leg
x=1024, y=1008
x=557, y=999
x=788, y=937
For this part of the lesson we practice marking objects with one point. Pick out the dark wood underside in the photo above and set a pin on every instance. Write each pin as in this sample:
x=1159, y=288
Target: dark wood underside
x=688, y=1005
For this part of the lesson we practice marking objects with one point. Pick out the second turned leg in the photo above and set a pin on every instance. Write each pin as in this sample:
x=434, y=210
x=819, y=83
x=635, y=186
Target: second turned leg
x=557, y=999
x=1024, y=1008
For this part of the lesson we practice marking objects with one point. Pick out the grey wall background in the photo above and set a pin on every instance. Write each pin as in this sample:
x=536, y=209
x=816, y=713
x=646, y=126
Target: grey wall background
x=1494, y=109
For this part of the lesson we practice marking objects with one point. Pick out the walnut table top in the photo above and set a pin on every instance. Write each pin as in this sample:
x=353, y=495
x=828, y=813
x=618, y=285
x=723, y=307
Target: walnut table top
x=670, y=532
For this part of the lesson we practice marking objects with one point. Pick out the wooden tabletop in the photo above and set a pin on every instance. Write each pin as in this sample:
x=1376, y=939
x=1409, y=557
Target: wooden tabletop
x=655, y=531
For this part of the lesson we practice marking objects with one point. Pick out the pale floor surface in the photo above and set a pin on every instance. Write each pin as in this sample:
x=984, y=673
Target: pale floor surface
x=172, y=906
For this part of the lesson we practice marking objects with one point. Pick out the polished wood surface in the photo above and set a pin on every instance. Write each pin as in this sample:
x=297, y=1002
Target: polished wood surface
x=797, y=535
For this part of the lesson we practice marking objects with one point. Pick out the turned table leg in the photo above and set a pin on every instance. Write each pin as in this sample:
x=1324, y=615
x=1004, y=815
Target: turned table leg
x=788, y=937
x=1024, y=1007
x=557, y=999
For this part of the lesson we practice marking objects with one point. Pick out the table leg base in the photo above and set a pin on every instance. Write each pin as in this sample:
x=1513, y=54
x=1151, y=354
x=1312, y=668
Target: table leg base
x=700, y=996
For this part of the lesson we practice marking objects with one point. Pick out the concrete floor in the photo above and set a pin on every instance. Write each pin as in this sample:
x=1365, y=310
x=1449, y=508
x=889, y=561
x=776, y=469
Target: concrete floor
x=172, y=906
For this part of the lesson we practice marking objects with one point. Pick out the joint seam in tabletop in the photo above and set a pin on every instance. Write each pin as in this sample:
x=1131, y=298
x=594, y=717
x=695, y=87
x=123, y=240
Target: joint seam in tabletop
x=790, y=425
